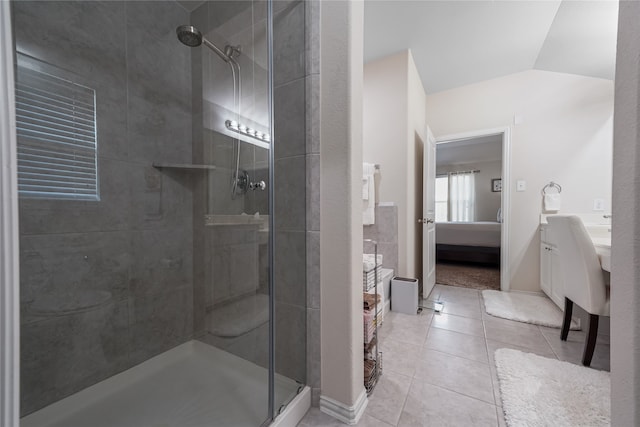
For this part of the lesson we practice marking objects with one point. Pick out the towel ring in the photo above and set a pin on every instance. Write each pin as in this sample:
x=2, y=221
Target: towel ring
x=552, y=185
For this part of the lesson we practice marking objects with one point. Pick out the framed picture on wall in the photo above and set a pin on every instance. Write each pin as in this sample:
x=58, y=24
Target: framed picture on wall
x=496, y=185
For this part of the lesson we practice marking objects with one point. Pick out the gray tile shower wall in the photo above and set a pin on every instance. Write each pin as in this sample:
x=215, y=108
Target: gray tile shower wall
x=385, y=232
x=291, y=190
x=108, y=284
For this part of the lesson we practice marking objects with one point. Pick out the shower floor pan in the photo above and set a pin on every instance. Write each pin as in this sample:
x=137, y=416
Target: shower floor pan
x=192, y=385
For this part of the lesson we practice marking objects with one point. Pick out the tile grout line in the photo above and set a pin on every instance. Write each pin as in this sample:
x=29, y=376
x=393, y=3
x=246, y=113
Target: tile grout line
x=549, y=344
x=404, y=404
x=499, y=411
x=490, y=356
x=455, y=355
x=426, y=381
x=463, y=357
x=451, y=330
x=414, y=378
x=495, y=382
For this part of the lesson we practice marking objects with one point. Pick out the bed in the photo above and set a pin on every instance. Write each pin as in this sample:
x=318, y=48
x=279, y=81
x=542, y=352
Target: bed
x=468, y=242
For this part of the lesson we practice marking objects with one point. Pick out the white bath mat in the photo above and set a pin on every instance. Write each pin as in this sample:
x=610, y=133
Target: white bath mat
x=526, y=308
x=537, y=391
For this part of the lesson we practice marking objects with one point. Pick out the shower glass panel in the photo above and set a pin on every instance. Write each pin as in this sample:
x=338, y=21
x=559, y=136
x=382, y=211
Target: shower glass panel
x=145, y=166
x=292, y=227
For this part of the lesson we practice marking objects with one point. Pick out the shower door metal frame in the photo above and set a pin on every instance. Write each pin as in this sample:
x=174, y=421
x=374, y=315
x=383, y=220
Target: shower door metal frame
x=9, y=240
x=271, y=197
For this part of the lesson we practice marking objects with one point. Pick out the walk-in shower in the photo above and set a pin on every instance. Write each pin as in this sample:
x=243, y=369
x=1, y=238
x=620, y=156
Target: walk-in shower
x=152, y=277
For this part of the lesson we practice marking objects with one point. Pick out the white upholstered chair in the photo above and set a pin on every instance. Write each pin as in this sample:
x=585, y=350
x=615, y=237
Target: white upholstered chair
x=583, y=277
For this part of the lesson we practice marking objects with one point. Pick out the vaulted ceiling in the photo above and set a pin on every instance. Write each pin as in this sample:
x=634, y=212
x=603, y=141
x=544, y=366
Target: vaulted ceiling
x=455, y=43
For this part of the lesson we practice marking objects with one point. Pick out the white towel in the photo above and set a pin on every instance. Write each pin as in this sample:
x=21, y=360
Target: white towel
x=552, y=202
x=365, y=188
x=369, y=262
x=368, y=203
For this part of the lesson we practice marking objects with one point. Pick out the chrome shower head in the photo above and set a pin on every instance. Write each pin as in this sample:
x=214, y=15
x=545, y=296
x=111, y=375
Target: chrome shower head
x=192, y=37
x=189, y=35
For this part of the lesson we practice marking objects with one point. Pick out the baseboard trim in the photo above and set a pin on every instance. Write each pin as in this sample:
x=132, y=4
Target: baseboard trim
x=347, y=414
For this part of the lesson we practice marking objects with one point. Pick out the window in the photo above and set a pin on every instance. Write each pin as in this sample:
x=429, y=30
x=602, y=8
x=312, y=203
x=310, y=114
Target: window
x=455, y=197
x=462, y=196
x=442, y=198
x=56, y=132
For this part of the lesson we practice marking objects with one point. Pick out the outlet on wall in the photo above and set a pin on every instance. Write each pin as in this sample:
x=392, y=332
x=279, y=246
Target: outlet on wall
x=598, y=204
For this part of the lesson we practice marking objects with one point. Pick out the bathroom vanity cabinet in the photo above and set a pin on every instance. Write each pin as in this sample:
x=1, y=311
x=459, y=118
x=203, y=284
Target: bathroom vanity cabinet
x=551, y=280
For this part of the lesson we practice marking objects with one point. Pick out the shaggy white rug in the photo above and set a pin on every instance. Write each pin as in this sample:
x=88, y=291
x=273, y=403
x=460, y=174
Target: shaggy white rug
x=537, y=391
x=526, y=308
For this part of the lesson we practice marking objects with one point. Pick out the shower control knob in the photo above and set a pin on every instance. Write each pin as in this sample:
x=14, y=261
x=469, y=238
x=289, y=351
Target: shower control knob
x=260, y=185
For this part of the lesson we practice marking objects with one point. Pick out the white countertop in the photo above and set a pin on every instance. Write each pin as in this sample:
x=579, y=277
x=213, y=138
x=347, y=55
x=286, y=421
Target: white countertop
x=600, y=236
x=603, y=249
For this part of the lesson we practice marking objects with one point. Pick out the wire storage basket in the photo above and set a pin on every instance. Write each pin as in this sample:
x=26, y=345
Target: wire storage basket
x=371, y=319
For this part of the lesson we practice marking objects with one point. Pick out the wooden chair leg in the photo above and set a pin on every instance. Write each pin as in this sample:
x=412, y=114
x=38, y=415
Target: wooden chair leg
x=590, y=344
x=566, y=323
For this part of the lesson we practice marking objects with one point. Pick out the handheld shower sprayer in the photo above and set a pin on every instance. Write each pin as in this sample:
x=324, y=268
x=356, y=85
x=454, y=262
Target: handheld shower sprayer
x=192, y=37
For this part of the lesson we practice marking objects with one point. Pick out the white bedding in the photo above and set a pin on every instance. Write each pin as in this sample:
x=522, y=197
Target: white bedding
x=469, y=233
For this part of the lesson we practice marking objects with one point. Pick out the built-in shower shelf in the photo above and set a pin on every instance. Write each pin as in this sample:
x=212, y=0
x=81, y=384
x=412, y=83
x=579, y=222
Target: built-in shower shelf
x=183, y=166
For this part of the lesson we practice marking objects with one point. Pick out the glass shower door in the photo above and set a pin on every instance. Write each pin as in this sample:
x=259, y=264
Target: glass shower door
x=146, y=265
x=232, y=136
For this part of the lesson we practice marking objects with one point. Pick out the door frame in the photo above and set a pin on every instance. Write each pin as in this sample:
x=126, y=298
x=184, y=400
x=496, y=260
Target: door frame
x=505, y=195
x=9, y=253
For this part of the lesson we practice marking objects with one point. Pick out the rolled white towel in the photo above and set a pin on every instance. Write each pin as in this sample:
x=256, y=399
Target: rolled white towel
x=368, y=262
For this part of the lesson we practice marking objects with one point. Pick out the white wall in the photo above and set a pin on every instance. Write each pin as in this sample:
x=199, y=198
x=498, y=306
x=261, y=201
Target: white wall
x=394, y=111
x=343, y=394
x=487, y=201
x=565, y=136
x=417, y=131
x=625, y=272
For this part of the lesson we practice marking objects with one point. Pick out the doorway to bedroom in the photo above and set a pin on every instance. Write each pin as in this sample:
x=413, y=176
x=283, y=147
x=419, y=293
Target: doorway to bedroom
x=469, y=210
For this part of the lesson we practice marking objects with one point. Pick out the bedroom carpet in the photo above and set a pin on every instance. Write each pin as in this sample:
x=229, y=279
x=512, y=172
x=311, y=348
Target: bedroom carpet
x=526, y=308
x=468, y=276
x=537, y=391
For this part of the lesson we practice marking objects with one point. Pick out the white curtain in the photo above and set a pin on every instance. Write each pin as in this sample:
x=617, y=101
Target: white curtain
x=462, y=196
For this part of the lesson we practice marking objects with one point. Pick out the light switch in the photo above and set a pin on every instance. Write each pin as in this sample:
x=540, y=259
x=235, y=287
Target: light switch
x=598, y=204
x=521, y=185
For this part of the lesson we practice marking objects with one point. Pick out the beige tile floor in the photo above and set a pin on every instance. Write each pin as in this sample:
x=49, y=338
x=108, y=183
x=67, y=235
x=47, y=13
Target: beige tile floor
x=438, y=369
